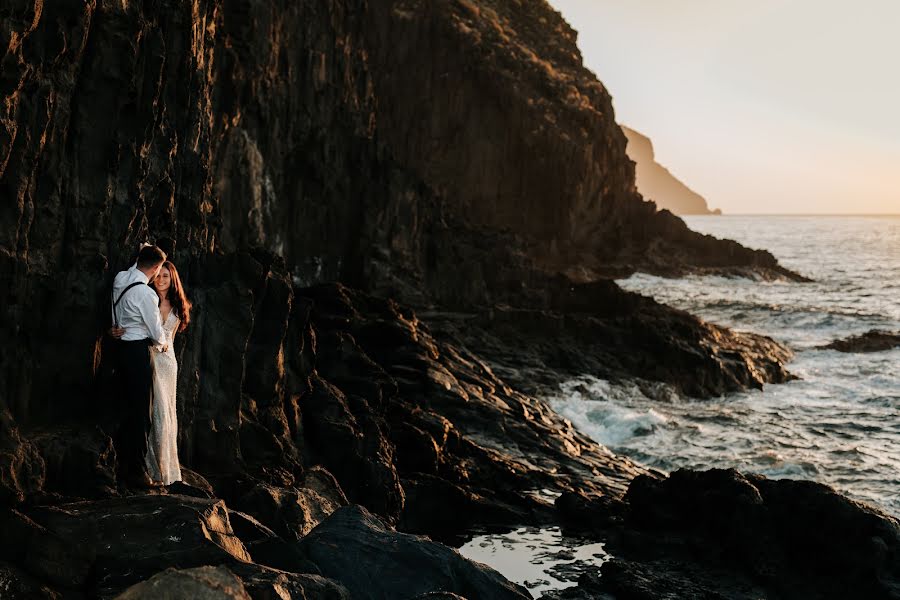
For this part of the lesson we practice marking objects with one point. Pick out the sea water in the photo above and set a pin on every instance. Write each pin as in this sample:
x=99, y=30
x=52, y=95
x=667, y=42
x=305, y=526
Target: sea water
x=838, y=424
x=540, y=559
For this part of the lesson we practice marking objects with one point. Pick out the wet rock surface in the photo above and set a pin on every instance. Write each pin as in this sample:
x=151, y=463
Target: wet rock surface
x=355, y=548
x=111, y=543
x=600, y=329
x=465, y=443
x=202, y=583
x=17, y=584
x=723, y=534
x=871, y=341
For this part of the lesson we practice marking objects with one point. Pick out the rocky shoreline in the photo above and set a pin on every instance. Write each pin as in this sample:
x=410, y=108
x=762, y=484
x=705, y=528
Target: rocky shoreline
x=382, y=290
x=375, y=430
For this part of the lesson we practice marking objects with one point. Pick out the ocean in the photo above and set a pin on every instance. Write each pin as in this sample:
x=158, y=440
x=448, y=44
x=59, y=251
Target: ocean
x=838, y=424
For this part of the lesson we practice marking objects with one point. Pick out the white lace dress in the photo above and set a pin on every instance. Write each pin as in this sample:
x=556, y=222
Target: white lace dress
x=162, y=449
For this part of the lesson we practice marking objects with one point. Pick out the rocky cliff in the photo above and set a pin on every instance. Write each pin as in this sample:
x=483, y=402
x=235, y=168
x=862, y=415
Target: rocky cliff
x=440, y=152
x=656, y=183
x=451, y=155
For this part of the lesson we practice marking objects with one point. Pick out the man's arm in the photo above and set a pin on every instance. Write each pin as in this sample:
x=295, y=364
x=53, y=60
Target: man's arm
x=147, y=304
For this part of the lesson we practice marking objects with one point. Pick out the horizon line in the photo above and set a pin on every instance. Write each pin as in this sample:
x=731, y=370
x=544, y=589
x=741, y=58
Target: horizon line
x=730, y=214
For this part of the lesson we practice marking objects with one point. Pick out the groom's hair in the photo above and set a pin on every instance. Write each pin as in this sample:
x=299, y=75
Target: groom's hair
x=150, y=256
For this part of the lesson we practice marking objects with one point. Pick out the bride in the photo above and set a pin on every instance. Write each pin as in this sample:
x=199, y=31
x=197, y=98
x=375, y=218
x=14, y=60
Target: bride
x=175, y=310
x=175, y=313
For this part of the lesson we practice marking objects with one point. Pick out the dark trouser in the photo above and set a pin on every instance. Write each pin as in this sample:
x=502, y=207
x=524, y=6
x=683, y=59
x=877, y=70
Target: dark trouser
x=134, y=367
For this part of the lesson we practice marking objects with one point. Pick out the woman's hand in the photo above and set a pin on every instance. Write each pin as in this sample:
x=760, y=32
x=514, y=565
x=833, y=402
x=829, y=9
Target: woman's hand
x=116, y=332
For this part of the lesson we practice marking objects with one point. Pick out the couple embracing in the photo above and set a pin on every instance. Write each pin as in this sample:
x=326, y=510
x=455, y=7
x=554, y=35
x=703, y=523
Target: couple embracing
x=149, y=308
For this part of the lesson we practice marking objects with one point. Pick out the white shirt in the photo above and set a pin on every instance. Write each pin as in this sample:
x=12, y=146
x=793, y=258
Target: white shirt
x=138, y=311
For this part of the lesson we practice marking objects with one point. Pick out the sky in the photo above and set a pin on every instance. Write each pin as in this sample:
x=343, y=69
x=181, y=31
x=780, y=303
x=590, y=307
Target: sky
x=762, y=106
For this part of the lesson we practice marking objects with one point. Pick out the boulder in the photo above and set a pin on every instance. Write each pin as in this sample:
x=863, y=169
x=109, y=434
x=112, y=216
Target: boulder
x=292, y=512
x=263, y=583
x=199, y=583
x=874, y=340
x=192, y=484
x=348, y=437
x=623, y=580
x=373, y=561
x=111, y=544
x=43, y=553
x=22, y=469
x=599, y=514
x=80, y=461
x=791, y=538
x=16, y=584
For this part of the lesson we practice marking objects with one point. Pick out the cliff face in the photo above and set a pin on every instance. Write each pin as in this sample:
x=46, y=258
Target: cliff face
x=451, y=152
x=208, y=126
x=656, y=183
x=448, y=154
x=489, y=102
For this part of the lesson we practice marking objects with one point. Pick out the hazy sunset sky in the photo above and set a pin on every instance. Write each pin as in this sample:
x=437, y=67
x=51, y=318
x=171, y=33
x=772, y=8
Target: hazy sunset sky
x=769, y=106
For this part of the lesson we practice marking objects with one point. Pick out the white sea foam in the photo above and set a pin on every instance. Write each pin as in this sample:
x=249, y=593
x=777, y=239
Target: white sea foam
x=603, y=410
x=837, y=424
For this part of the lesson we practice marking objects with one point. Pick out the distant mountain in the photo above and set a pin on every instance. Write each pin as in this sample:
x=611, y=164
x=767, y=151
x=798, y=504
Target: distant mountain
x=656, y=183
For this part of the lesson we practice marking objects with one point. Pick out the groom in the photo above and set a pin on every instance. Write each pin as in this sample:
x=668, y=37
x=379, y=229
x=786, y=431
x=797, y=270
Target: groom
x=136, y=315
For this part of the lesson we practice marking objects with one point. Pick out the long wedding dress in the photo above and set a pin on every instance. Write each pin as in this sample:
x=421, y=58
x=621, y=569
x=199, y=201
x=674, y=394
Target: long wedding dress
x=162, y=447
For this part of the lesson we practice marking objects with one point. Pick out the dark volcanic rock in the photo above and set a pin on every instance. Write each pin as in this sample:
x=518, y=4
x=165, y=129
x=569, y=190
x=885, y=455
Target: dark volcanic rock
x=353, y=547
x=111, y=544
x=481, y=438
x=271, y=584
x=793, y=539
x=202, y=583
x=583, y=513
x=22, y=470
x=293, y=512
x=599, y=329
x=192, y=484
x=16, y=584
x=235, y=582
x=80, y=461
x=871, y=341
x=352, y=442
x=623, y=580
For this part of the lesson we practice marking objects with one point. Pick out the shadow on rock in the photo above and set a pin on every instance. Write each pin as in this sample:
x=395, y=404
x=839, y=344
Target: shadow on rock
x=373, y=562
x=743, y=534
